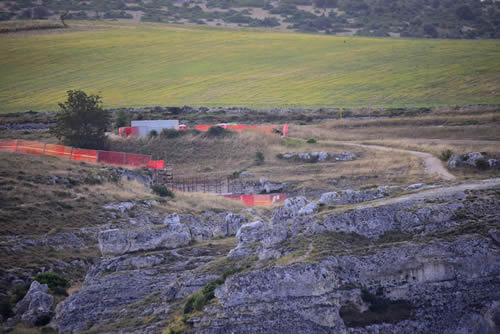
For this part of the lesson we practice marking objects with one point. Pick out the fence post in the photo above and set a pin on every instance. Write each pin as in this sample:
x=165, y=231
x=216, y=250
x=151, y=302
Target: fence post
x=98, y=155
x=124, y=159
x=44, y=147
x=17, y=141
x=71, y=154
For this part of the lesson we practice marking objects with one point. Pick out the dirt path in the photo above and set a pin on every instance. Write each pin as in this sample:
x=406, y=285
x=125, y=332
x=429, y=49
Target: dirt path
x=432, y=165
x=435, y=192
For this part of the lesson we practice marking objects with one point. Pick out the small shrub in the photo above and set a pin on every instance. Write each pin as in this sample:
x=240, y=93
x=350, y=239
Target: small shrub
x=311, y=141
x=201, y=298
x=368, y=186
x=153, y=133
x=19, y=292
x=446, y=155
x=217, y=131
x=279, y=155
x=482, y=164
x=55, y=281
x=161, y=190
x=259, y=158
x=171, y=133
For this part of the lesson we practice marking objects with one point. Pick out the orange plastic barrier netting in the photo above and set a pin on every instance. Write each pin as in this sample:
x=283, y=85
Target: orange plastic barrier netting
x=80, y=154
x=203, y=127
x=156, y=164
x=8, y=145
x=113, y=158
x=58, y=150
x=136, y=160
x=258, y=200
x=30, y=147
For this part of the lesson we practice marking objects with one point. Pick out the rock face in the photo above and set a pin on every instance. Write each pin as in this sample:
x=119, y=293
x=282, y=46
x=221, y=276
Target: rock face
x=117, y=242
x=320, y=156
x=426, y=262
x=175, y=231
x=473, y=159
x=353, y=196
x=36, y=304
x=137, y=292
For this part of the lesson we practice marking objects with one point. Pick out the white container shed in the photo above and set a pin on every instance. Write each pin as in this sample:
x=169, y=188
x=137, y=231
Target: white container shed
x=145, y=127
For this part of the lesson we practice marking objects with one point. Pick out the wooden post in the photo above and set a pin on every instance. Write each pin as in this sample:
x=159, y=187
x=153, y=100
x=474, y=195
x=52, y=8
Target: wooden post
x=17, y=141
x=71, y=154
x=98, y=155
x=44, y=147
x=124, y=159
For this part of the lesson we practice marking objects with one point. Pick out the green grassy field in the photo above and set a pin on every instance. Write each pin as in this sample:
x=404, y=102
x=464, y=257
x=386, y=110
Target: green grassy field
x=148, y=64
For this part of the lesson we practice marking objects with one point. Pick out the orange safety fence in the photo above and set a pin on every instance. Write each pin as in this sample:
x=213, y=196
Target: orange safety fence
x=156, y=164
x=137, y=160
x=238, y=127
x=8, y=145
x=203, y=127
x=258, y=200
x=112, y=158
x=81, y=154
x=129, y=131
x=285, y=130
x=78, y=154
x=58, y=150
x=30, y=147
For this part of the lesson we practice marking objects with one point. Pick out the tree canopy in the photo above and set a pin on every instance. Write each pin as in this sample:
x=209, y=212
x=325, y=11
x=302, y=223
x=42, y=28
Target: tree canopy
x=82, y=122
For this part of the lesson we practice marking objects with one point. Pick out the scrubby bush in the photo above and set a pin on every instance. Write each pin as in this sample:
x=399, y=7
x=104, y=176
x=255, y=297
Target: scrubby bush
x=57, y=283
x=311, y=141
x=217, y=131
x=161, y=190
x=279, y=155
x=170, y=133
x=153, y=133
x=445, y=155
x=122, y=119
x=19, y=292
x=259, y=158
x=201, y=298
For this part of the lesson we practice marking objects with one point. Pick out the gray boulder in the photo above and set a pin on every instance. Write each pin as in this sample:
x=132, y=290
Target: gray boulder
x=117, y=242
x=122, y=207
x=470, y=160
x=37, y=303
x=344, y=156
x=353, y=196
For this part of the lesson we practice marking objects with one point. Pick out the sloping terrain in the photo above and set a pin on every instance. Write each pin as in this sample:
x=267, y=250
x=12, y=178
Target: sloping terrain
x=407, y=265
x=159, y=64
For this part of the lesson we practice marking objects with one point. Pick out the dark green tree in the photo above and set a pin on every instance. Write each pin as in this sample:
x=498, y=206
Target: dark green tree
x=82, y=122
x=122, y=119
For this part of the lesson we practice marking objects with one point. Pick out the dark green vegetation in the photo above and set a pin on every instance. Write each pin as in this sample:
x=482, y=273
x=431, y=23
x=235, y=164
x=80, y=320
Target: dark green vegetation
x=161, y=190
x=411, y=18
x=82, y=122
x=56, y=282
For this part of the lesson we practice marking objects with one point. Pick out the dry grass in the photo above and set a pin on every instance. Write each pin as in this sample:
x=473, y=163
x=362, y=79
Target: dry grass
x=199, y=156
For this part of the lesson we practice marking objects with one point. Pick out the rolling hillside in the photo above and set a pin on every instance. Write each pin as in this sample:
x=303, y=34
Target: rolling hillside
x=155, y=64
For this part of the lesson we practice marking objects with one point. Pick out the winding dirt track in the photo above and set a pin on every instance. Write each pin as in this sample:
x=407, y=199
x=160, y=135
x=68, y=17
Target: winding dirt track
x=432, y=165
x=435, y=192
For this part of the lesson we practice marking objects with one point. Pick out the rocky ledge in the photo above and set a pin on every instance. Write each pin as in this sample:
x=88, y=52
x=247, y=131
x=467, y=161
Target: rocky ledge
x=362, y=262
